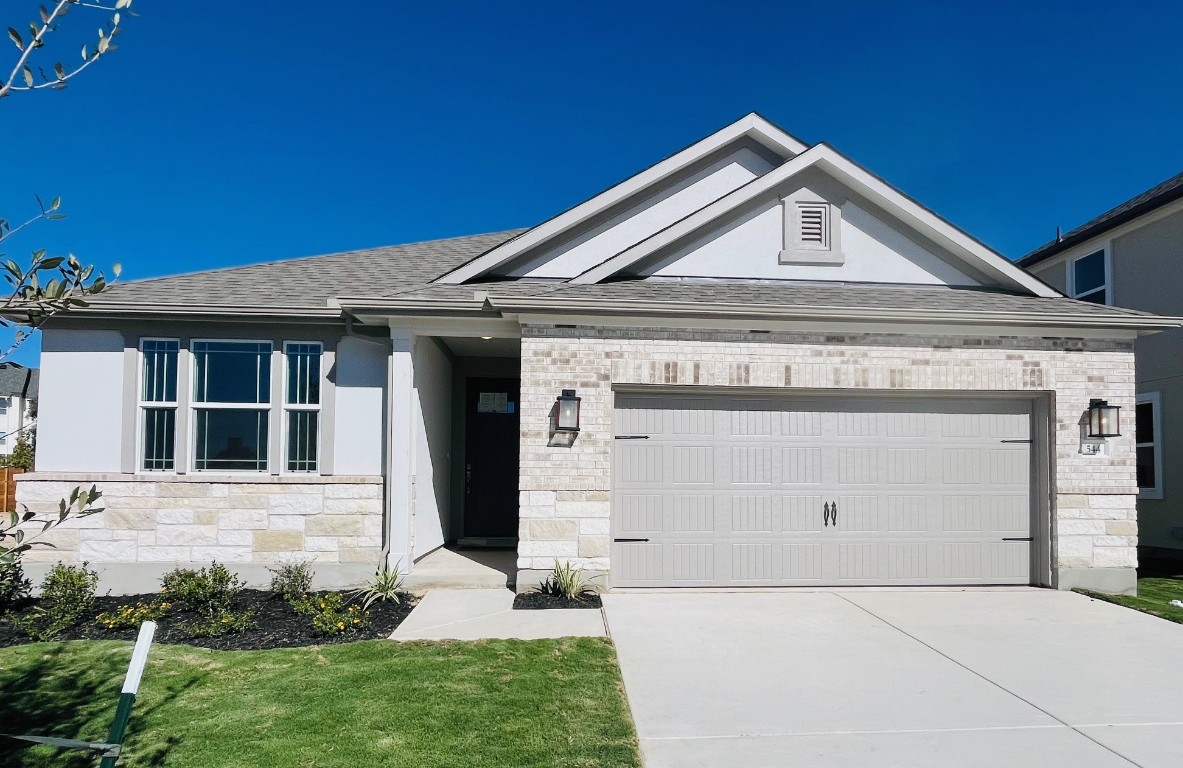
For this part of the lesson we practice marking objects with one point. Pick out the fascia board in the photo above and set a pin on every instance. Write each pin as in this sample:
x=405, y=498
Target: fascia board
x=862, y=181
x=791, y=312
x=1100, y=238
x=111, y=308
x=751, y=125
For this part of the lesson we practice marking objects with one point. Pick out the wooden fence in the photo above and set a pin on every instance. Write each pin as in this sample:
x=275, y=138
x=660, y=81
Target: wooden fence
x=8, y=486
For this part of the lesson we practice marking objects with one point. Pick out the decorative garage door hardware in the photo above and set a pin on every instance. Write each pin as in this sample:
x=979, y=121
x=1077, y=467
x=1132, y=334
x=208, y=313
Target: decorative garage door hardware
x=1025, y=442
x=830, y=514
x=618, y=541
x=632, y=437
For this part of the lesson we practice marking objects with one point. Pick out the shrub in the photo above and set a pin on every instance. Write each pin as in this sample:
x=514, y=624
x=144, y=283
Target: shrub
x=567, y=582
x=384, y=585
x=14, y=587
x=208, y=591
x=221, y=623
x=134, y=615
x=331, y=615
x=291, y=581
x=67, y=593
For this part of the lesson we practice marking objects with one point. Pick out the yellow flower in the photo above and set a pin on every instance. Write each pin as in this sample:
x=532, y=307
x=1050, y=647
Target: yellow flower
x=340, y=625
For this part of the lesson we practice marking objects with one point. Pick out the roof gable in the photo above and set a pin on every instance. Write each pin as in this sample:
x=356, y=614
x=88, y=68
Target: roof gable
x=651, y=200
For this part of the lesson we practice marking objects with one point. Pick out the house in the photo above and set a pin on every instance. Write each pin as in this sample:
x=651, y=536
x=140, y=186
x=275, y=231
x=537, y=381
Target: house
x=753, y=363
x=18, y=403
x=1125, y=257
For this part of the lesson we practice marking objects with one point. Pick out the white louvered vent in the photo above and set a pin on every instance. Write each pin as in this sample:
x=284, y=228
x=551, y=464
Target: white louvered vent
x=813, y=225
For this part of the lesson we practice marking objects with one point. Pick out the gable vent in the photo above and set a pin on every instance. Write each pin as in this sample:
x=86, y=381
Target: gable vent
x=813, y=228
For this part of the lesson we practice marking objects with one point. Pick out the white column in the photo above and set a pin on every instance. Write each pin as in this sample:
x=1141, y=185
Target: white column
x=401, y=480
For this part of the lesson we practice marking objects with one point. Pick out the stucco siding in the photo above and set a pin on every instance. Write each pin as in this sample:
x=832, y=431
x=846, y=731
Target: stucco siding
x=82, y=385
x=565, y=491
x=1054, y=274
x=360, y=391
x=433, y=434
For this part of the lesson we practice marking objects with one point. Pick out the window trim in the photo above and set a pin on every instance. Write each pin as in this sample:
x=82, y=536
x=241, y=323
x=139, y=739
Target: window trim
x=195, y=406
x=1155, y=400
x=1106, y=286
x=285, y=407
x=142, y=405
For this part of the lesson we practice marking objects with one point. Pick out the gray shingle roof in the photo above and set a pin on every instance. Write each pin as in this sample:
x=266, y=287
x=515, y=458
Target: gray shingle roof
x=18, y=381
x=407, y=272
x=1155, y=197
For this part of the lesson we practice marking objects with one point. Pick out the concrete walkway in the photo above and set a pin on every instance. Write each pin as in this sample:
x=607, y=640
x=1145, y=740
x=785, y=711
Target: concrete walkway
x=479, y=614
x=921, y=679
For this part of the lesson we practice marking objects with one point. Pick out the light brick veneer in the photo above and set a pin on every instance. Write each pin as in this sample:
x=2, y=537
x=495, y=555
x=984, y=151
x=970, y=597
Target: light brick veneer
x=163, y=521
x=565, y=490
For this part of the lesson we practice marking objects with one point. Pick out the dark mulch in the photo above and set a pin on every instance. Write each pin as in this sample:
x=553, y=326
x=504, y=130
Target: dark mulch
x=532, y=601
x=277, y=624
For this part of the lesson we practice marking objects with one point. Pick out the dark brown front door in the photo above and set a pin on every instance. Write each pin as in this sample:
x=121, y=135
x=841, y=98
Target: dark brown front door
x=491, y=459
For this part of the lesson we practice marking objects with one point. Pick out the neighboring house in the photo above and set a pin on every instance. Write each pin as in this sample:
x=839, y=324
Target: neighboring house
x=788, y=372
x=1131, y=256
x=18, y=403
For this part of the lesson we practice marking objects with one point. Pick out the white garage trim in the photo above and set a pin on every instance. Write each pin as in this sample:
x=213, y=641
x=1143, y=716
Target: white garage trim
x=758, y=489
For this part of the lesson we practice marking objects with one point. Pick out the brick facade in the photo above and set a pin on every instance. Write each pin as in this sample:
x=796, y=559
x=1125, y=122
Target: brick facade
x=565, y=490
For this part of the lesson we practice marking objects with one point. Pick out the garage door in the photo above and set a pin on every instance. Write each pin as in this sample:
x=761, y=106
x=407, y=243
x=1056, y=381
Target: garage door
x=748, y=491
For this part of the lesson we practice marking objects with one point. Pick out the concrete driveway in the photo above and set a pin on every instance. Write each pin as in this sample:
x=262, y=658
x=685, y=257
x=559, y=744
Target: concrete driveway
x=860, y=679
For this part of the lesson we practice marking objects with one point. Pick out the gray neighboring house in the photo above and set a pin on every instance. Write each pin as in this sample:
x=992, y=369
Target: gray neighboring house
x=18, y=403
x=1132, y=256
x=752, y=364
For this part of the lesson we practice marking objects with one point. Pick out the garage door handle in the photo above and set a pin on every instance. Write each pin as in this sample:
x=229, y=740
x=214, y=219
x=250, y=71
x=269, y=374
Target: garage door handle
x=834, y=514
x=632, y=437
x=1017, y=538
x=826, y=514
x=629, y=540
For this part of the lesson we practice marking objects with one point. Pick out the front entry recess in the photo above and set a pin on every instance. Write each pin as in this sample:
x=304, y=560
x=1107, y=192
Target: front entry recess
x=491, y=462
x=767, y=491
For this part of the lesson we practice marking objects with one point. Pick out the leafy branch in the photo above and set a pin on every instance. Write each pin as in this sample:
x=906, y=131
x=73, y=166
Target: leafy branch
x=23, y=78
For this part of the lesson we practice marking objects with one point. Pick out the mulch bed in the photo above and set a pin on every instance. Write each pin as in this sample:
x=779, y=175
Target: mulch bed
x=277, y=624
x=532, y=601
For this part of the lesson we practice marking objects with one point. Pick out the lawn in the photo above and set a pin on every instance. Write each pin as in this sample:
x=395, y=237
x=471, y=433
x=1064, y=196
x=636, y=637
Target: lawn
x=376, y=703
x=1154, y=597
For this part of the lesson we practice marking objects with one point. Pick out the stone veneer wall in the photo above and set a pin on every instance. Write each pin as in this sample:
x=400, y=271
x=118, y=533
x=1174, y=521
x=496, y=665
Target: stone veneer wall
x=565, y=492
x=151, y=524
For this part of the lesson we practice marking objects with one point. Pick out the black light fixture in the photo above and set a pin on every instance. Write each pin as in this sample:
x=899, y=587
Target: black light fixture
x=1104, y=419
x=567, y=412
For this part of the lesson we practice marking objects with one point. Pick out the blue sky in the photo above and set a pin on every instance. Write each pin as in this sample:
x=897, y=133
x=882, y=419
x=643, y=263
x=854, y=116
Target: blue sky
x=227, y=133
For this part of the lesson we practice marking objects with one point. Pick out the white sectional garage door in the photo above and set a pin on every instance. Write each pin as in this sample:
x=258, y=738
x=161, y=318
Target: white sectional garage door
x=749, y=491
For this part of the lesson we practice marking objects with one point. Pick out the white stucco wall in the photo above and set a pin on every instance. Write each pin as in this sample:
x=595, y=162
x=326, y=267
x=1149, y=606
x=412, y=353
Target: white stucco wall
x=360, y=392
x=749, y=247
x=80, y=416
x=432, y=445
x=579, y=254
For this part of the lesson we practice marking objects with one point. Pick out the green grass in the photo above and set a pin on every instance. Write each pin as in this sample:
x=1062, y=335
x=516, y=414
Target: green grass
x=1154, y=597
x=492, y=703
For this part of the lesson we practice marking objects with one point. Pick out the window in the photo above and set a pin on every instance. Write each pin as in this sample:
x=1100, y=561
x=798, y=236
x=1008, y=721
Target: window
x=3, y=438
x=158, y=404
x=4, y=401
x=231, y=405
x=1090, y=277
x=301, y=405
x=1148, y=439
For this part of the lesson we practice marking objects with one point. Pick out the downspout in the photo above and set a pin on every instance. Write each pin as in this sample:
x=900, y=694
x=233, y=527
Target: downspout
x=387, y=491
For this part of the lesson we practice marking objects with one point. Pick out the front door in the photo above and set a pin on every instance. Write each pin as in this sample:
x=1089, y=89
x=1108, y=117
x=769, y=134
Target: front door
x=491, y=461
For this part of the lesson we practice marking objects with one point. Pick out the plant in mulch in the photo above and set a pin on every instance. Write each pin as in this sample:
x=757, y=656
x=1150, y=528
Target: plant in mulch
x=208, y=593
x=134, y=614
x=564, y=587
x=67, y=594
x=331, y=615
x=384, y=586
x=291, y=581
x=14, y=587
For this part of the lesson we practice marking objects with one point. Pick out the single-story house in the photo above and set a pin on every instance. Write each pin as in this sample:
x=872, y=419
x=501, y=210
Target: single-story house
x=753, y=363
x=1128, y=257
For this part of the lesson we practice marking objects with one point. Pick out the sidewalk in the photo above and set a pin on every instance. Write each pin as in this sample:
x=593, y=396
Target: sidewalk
x=479, y=614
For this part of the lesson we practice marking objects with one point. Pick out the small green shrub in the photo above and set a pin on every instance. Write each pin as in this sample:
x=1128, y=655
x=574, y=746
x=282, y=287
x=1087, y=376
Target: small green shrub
x=208, y=591
x=567, y=582
x=331, y=615
x=220, y=623
x=383, y=586
x=291, y=581
x=14, y=587
x=67, y=594
x=134, y=615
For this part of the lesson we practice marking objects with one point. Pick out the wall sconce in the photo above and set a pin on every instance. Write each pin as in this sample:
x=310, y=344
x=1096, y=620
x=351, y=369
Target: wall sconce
x=567, y=412
x=1104, y=419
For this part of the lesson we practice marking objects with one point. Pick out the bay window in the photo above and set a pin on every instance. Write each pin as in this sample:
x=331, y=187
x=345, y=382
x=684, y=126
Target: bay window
x=158, y=404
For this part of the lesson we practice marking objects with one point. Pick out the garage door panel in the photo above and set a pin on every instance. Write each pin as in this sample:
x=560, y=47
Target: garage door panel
x=731, y=491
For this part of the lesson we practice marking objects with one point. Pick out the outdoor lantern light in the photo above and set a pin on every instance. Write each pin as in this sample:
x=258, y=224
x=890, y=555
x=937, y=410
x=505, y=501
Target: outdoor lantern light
x=1104, y=419
x=567, y=412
